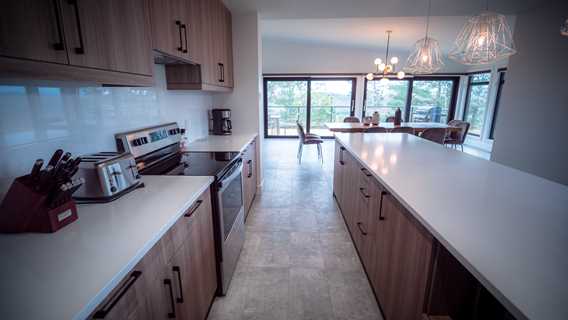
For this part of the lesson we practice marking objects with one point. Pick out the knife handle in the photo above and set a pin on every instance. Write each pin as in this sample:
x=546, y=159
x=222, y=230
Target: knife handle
x=55, y=158
x=34, y=175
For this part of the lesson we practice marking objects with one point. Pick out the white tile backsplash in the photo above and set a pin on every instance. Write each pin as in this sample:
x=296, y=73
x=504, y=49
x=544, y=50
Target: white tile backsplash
x=37, y=118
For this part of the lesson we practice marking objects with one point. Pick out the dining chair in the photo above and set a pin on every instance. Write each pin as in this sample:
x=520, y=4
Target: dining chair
x=390, y=119
x=351, y=119
x=308, y=138
x=408, y=130
x=437, y=135
x=455, y=138
x=376, y=130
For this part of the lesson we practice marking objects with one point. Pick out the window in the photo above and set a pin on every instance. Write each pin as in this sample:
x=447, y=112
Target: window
x=476, y=103
x=432, y=101
x=312, y=101
x=385, y=97
x=421, y=99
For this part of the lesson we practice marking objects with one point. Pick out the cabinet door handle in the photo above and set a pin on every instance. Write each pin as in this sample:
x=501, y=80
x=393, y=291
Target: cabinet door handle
x=362, y=191
x=178, y=270
x=102, y=313
x=221, y=72
x=180, y=48
x=58, y=46
x=361, y=228
x=383, y=194
x=192, y=210
x=168, y=282
x=185, y=36
x=81, y=48
x=366, y=172
x=250, y=168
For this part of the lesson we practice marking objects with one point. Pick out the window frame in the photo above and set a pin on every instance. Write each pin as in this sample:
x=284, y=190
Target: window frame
x=470, y=85
x=309, y=80
x=407, y=108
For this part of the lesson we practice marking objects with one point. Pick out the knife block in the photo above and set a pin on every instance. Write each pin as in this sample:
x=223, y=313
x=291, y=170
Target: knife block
x=25, y=210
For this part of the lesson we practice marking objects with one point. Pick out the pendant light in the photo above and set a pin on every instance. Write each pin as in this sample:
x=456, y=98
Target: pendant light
x=485, y=38
x=386, y=68
x=425, y=57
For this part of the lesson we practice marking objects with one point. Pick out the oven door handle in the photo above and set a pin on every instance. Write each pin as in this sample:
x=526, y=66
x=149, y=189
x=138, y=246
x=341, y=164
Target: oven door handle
x=226, y=180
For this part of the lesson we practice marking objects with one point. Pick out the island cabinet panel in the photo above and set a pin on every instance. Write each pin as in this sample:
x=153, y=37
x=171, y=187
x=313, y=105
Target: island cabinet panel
x=403, y=262
x=176, y=278
x=338, y=173
x=249, y=175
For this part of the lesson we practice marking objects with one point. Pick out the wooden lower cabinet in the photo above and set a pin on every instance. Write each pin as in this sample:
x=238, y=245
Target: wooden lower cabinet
x=249, y=175
x=402, y=262
x=176, y=278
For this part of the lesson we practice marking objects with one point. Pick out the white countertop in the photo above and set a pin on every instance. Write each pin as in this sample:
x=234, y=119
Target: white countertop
x=229, y=143
x=65, y=275
x=507, y=227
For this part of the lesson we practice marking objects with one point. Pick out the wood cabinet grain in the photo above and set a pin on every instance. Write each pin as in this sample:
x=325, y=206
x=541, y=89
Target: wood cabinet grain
x=249, y=175
x=32, y=29
x=176, y=278
x=107, y=34
x=100, y=41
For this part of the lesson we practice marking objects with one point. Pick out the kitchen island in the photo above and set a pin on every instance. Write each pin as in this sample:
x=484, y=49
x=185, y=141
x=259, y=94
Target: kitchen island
x=67, y=274
x=507, y=228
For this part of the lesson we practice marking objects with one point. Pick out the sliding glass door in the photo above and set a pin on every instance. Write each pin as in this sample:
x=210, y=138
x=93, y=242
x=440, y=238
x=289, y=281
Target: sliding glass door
x=331, y=100
x=477, y=101
x=311, y=101
x=421, y=99
x=431, y=100
x=385, y=97
x=286, y=101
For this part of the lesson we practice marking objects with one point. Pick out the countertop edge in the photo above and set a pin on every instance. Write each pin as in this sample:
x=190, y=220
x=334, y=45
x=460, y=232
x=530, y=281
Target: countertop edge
x=498, y=295
x=112, y=283
x=217, y=148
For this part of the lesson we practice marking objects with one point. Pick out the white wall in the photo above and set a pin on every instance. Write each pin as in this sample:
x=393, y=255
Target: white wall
x=284, y=56
x=38, y=117
x=530, y=132
x=245, y=101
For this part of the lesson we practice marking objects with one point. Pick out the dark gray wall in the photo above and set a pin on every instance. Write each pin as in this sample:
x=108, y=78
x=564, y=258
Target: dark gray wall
x=531, y=131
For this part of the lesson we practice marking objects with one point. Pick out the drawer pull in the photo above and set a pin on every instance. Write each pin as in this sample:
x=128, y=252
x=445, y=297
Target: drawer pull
x=178, y=270
x=361, y=228
x=171, y=315
x=362, y=191
x=381, y=217
x=179, y=25
x=250, y=168
x=366, y=172
x=102, y=313
x=192, y=210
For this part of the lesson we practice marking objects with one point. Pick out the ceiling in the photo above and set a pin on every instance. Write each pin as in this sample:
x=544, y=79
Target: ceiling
x=311, y=9
x=364, y=33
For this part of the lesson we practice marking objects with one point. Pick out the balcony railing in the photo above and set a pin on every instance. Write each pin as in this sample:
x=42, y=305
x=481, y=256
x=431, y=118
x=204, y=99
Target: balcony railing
x=282, y=119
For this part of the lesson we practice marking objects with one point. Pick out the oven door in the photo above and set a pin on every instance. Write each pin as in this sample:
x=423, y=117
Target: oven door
x=232, y=223
x=230, y=193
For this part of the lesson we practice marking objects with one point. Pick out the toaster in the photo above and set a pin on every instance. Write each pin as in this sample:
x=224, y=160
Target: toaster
x=108, y=176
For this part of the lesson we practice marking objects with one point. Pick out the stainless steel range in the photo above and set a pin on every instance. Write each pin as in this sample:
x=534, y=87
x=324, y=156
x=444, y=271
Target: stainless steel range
x=157, y=152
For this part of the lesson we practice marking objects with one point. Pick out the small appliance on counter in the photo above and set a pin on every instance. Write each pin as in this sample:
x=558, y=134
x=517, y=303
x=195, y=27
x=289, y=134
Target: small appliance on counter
x=41, y=200
x=108, y=176
x=221, y=121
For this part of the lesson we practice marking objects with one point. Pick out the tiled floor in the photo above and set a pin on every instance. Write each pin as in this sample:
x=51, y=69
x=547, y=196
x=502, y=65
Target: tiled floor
x=298, y=261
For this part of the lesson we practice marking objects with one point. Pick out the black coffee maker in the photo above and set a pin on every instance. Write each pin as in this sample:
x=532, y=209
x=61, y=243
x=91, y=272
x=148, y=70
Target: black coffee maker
x=221, y=121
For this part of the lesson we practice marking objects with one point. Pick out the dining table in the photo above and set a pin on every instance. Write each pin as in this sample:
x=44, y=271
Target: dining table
x=361, y=127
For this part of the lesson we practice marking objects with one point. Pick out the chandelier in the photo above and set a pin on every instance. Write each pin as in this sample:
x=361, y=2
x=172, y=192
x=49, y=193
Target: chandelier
x=485, y=38
x=387, y=67
x=425, y=57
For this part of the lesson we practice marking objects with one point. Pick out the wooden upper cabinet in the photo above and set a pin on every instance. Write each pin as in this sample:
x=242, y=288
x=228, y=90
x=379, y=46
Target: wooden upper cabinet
x=171, y=28
x=195, y=31
x=228, y=50
x=32, y=29
x=107, y=34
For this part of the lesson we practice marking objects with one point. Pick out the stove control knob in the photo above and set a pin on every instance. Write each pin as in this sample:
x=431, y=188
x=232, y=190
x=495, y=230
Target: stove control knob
x=113, y=189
